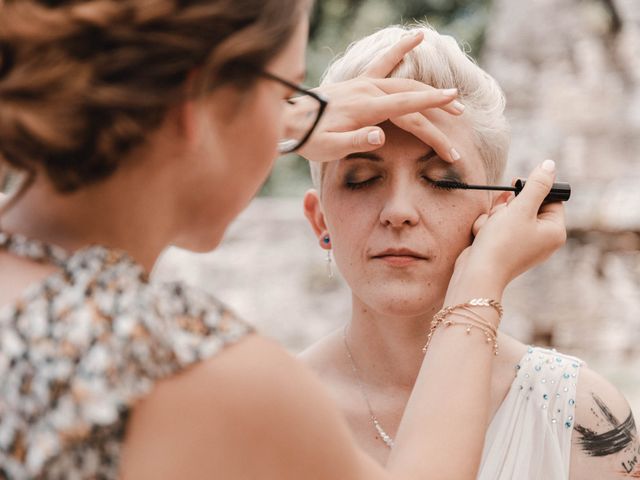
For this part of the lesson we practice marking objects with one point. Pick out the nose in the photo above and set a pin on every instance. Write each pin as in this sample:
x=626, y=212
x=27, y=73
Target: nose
x=399, y=209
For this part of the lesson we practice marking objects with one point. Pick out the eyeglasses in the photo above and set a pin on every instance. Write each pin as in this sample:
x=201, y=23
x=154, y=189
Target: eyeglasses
x=305, y=110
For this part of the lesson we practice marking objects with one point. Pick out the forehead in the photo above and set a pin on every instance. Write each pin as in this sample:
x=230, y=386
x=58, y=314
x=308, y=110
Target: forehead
x=403, y=147
x=458, y=130
x=291, y=60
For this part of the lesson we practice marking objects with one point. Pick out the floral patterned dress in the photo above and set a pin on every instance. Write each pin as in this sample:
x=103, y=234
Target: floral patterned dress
x=80, y=347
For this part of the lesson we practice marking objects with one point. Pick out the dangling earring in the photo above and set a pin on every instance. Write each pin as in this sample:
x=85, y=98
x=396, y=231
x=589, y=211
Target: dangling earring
x=327, y=241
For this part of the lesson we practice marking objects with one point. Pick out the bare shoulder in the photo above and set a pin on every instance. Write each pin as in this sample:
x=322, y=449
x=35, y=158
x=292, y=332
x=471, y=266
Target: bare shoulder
x=251, y=411
x=604, y=443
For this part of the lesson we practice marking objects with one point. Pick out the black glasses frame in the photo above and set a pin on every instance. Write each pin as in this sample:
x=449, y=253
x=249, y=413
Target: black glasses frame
x=316, y=96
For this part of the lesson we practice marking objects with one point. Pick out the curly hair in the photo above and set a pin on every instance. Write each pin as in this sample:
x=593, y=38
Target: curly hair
x=82, y=82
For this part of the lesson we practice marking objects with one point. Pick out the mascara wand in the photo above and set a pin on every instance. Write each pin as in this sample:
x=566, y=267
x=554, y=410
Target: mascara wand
x=560, y=192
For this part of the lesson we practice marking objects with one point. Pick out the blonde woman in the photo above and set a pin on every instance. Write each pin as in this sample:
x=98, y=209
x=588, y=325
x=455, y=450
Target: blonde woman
x=395, y=236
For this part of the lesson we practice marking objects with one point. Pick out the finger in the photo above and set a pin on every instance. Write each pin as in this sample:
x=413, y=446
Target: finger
x=398, y=104
x=479, y=223
x=503, y=198
x=537, y=188
x=456, y=107
x=428, y=133
x=362, y=140
x=497, y=208
x=389, y=60
x=552, y=222
x=552, y=212
x=398, y=85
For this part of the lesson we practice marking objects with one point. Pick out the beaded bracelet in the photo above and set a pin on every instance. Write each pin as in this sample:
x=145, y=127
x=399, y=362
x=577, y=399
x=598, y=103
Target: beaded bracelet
x=485, y=326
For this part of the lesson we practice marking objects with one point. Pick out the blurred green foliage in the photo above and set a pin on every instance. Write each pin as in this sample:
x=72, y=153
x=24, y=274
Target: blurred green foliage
x=337, y=23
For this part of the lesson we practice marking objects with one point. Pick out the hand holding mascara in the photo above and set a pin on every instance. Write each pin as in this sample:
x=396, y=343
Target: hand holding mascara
x=560, y=191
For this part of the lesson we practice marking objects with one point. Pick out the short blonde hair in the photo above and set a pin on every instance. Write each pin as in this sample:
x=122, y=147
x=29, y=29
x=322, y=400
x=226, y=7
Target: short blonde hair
x=440, y=62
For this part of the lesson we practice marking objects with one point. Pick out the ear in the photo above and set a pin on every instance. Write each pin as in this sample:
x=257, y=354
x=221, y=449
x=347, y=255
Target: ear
x=499, y=199
x=315, y=216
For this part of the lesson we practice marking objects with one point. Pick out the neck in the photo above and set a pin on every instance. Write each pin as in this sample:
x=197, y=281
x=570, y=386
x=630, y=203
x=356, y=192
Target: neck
x=388, y=349
x=130, y=210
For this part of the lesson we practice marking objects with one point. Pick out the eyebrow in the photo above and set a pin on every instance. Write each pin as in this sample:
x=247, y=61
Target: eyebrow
x=451, y=172
x=374, y=157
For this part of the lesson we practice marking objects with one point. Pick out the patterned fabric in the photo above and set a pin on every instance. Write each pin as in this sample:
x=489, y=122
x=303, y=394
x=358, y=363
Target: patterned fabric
x=79, y=348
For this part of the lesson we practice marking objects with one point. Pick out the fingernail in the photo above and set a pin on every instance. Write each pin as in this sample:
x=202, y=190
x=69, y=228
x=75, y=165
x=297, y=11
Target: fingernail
x=549, y=166
x=450, y=92
x=458, y=106
x=374, y=138
x=454, y=154
x=412, y=34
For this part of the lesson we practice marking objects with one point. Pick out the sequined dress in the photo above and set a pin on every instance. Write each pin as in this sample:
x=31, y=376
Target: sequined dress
x=80, y=347
x=529, y=437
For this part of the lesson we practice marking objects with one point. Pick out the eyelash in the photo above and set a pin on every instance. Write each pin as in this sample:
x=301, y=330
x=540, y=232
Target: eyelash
x=359, y=185
x=372, y=180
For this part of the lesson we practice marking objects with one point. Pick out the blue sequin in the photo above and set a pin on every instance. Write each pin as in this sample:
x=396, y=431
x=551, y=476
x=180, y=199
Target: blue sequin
x=572, y=401
x=545, y=396
x=565, y=375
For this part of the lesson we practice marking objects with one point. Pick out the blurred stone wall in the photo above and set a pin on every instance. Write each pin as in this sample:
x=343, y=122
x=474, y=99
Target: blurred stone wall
x=571, y=73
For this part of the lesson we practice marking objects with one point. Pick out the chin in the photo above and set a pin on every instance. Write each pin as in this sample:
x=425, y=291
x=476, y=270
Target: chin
x=404, y=302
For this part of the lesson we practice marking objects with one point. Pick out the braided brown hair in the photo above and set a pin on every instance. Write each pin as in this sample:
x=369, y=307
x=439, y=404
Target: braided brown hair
x=82, y=82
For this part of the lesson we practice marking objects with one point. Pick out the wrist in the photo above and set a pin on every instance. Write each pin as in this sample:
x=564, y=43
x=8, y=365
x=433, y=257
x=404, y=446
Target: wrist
x=475, y=281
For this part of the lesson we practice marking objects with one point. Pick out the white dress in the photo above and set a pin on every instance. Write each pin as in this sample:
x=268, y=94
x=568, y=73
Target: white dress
x=529, y=437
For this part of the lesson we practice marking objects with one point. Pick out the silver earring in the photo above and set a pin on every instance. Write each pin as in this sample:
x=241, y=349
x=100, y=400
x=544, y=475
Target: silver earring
x=327, y=241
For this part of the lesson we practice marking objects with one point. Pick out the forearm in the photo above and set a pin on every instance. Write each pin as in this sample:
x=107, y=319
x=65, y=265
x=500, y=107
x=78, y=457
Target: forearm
x=446, y=439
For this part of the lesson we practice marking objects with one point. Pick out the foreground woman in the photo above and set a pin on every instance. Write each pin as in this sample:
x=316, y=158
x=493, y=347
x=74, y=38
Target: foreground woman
x=135, y=125
x=395, y=236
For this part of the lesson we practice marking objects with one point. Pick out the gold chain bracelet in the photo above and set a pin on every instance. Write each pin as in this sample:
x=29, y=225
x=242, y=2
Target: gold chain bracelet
x=478, y=322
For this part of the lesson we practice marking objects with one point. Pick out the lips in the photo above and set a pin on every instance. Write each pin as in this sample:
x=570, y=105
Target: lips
x=399, y=256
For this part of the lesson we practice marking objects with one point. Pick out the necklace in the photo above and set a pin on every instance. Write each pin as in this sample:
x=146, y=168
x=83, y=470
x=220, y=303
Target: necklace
x=386, y=438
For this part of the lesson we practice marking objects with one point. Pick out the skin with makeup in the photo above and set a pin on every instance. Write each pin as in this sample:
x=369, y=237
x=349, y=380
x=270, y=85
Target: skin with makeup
x=395, y=237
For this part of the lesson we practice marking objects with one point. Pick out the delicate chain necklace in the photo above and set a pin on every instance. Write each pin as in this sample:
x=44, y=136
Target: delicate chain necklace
x=386, y=438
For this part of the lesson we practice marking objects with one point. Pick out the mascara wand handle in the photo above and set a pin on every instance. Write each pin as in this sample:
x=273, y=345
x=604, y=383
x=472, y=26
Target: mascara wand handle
x=560, y=192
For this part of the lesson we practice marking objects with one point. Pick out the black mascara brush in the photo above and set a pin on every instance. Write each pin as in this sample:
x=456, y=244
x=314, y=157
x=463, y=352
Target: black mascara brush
x=560, y=192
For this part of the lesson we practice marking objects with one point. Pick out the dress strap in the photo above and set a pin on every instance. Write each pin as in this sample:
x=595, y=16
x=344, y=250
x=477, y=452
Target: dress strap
x=33, y=249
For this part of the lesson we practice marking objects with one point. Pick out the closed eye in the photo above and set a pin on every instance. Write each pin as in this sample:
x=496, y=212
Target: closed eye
x=363, y=184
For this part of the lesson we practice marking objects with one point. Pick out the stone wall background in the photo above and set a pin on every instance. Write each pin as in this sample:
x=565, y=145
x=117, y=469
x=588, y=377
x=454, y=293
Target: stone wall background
x=571, y=73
